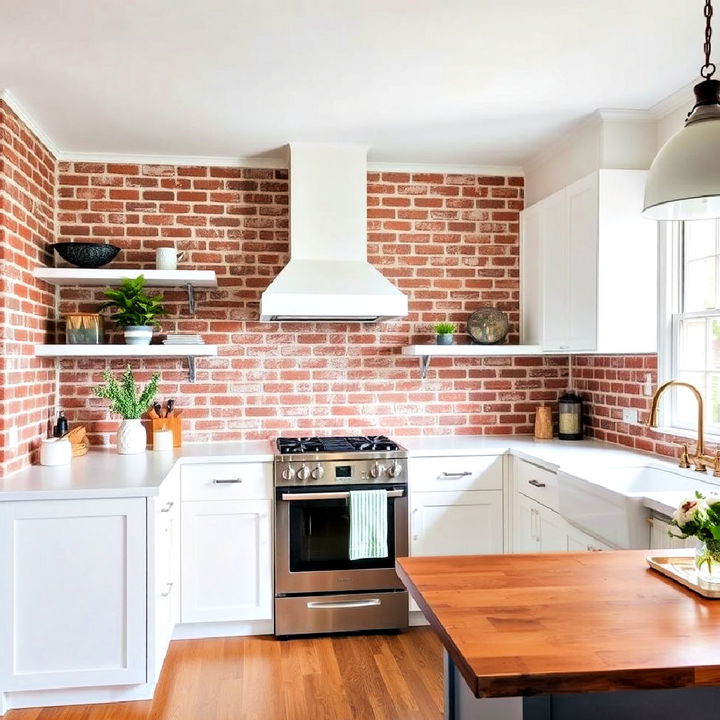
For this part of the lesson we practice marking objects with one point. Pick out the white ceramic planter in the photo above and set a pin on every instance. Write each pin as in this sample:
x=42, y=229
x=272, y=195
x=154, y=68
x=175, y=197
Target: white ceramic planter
x=131, y=437
x=138, y=334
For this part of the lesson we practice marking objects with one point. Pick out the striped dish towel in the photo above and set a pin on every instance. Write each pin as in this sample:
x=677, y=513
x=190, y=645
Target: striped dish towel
x=368, y=524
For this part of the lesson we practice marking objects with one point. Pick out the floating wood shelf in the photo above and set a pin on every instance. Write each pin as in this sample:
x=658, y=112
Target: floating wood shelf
x=130, y=351
x=427, y=352
x=188, y=279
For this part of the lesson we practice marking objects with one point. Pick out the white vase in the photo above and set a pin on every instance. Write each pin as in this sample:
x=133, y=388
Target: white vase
x=138, y=334
x=131, y=437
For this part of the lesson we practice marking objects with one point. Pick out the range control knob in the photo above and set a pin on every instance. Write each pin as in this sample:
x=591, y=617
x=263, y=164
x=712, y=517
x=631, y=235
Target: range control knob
x=288, y=473
x=317, y=472
x=394, y=470
x=303, y=473
x=376, y=470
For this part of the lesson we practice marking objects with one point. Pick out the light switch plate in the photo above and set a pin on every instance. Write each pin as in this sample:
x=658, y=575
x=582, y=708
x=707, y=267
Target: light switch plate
x=630, y=416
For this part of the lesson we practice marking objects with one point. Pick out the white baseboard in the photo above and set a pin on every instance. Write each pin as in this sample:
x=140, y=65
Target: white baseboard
x=74, y=696
x=194, y=631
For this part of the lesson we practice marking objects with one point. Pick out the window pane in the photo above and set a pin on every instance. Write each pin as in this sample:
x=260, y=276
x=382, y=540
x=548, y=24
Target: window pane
x=713, y=343
x=700, y=239
x=685, y=404
x=712, y=400
x=699, y=285
x=692, y=344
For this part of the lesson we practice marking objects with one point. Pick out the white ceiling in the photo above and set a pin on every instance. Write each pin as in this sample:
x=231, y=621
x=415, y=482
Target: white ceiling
x=427, y=81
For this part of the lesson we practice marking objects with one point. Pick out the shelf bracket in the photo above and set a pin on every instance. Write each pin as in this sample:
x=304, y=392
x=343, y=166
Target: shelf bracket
x=424, y=365
x=191, y=298
x=191, y=368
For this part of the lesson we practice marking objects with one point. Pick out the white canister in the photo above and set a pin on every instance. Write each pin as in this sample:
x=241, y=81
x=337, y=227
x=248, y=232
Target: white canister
x=167, y=258
x=55, y=451
x=163, y=441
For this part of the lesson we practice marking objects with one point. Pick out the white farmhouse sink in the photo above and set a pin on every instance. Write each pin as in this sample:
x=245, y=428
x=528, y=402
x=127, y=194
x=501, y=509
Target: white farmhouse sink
x=610, y=503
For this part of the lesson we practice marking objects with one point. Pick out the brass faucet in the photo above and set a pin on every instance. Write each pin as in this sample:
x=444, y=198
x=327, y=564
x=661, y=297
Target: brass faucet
x=700, y=459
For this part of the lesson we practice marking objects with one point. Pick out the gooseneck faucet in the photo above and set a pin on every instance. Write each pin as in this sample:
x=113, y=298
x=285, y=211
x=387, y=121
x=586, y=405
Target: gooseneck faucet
x=699, y=458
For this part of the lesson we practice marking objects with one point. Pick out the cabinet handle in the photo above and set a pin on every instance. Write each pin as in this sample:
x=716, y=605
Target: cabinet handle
x=228, y=481
x=536, y=483
x=454, y=475
x=167, y=507
x=412, y=524
x=168, y=590
x=594, y=548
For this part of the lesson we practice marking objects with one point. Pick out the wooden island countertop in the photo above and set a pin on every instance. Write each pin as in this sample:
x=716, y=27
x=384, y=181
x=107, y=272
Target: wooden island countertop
x=524, y=625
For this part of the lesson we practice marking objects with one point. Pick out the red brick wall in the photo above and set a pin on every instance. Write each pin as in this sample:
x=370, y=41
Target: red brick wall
x=449, y=241
x=609, y=383
x=27, y=207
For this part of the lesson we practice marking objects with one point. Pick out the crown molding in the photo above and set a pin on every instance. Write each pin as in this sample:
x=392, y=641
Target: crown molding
x=446, y=168
x=193, y=160
x=617, y=115
x=17, y=107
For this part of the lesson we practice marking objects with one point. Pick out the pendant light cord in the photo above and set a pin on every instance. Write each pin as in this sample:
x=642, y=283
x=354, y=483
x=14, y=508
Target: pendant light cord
x=708, y=69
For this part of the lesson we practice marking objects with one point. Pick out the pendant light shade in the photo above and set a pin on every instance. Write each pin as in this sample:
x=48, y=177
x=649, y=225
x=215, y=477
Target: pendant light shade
x=684, y=179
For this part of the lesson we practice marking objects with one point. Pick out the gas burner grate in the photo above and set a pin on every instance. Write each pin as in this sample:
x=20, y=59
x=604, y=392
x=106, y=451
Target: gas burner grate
x=358, y=443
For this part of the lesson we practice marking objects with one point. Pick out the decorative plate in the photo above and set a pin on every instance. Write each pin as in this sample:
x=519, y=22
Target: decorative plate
x=488, y=326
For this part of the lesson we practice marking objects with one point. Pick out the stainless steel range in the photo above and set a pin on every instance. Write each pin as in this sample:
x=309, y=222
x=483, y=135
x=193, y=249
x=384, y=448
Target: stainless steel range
x=318, y=589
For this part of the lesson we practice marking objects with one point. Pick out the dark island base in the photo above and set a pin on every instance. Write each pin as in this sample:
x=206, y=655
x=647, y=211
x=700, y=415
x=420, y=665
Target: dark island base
x=698, y=703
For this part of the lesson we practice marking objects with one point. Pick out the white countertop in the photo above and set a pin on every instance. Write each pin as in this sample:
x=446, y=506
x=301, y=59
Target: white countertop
x=104, y=473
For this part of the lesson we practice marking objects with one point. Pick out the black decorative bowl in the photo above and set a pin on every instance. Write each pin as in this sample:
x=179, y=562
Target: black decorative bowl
x=86, y=255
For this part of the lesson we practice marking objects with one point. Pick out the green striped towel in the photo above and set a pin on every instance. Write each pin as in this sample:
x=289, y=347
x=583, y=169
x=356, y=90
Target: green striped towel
x=368, y=524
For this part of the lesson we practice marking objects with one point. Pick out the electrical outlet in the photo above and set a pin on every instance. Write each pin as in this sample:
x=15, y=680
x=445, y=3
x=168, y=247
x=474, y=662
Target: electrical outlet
x=647, y=385
x=13, y=437
x=630, y=416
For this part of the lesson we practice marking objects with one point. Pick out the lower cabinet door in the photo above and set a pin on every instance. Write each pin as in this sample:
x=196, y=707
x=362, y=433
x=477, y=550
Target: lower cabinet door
x=553, y=530
x=525, y=524
x=226, y=560
x=456, y=523
x=73, y=593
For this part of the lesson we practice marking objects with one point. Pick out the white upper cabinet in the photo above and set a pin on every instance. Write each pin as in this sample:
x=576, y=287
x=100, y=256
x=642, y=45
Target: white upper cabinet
x=589, y=267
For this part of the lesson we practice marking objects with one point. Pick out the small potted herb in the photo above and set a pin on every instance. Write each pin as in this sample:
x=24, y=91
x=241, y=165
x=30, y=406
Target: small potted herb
x=444, y=333
x=128, y=401
x=135, y=310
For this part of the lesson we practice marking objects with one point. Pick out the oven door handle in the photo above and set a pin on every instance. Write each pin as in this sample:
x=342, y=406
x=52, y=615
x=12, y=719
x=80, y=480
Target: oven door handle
x=333, y=605
x=331, y=495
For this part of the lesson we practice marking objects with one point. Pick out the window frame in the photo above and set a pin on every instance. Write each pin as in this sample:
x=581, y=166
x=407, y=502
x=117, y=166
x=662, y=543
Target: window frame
x=671, y=274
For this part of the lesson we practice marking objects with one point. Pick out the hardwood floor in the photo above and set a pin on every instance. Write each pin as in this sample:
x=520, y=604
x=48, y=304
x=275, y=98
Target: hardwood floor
x=373, y=677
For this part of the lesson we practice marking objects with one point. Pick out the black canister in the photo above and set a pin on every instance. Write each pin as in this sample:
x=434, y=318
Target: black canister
x=61, y=428
x=570, y=416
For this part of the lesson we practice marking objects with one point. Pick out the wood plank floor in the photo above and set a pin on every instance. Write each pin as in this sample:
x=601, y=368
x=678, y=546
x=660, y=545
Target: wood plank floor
x=373, y=677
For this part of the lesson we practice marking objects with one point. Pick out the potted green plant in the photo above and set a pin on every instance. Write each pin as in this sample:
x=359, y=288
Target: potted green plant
x=444, y=333
x=128, y=401
x=135, y=310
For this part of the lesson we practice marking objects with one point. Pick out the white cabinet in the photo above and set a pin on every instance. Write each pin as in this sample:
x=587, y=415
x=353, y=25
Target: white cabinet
x=537, y=528
x=577, y=540
x=226, y=542
x=73, y=595
x=456, y=523
x=588, y=259
x=660, y=538
x=164, y=570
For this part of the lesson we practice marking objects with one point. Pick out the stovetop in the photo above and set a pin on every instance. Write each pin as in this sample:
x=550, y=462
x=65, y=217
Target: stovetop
x=342, y=444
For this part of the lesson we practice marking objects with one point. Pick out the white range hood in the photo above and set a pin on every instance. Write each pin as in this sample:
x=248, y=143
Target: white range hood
x=328, y=277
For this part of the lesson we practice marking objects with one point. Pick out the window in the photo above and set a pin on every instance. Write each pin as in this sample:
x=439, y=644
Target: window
x=693, y=302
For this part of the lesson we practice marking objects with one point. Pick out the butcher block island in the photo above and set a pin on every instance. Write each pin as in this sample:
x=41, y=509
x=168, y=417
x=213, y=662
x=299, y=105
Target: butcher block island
x=571, y=636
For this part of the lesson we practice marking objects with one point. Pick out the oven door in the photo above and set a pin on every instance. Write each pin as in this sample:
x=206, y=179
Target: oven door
x=312, y=533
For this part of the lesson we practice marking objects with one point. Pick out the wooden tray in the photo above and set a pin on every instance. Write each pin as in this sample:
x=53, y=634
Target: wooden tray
x=681, y=569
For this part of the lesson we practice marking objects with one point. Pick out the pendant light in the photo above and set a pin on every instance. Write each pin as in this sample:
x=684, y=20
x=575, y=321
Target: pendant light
x=684, y=179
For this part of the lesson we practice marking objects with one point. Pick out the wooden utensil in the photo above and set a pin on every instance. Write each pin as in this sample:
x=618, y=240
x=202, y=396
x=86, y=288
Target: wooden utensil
x=543, y=422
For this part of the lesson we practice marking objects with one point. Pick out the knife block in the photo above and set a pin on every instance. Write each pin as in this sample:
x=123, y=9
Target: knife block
x=172, y=423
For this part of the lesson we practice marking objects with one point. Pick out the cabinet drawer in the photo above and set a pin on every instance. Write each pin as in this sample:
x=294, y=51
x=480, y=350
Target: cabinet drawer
x=537, y=483
x=227, y=481
x=456, y=473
